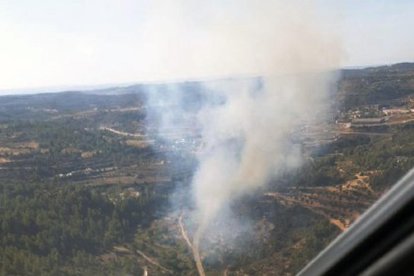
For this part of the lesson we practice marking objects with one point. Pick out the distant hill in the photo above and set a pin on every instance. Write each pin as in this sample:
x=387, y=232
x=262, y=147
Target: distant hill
x=186, y=95
x=356, y=87
x=375, y=85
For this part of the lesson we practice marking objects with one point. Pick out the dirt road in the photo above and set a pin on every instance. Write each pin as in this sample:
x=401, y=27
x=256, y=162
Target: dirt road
x=195, y=249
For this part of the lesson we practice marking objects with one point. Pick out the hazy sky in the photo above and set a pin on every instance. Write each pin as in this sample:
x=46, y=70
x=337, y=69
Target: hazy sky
x=47, y=43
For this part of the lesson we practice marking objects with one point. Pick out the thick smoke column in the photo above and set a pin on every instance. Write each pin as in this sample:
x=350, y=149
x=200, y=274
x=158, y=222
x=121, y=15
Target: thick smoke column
x=246, y=137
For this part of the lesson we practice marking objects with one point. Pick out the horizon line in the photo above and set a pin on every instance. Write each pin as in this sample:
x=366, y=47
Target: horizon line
x=90, y=87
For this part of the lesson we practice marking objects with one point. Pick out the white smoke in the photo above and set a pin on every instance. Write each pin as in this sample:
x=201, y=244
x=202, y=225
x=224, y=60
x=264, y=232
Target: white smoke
x=246, y=137
x=193, y=39
x=247, y=140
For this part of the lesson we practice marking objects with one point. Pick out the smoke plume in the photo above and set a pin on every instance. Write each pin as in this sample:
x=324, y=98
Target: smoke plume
x=246, y=125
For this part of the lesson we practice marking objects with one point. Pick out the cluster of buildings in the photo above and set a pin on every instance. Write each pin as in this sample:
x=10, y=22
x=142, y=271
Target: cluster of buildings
x=370, y=115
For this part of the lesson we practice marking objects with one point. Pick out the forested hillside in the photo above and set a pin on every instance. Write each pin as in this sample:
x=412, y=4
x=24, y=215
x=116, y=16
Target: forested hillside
x=88, y=188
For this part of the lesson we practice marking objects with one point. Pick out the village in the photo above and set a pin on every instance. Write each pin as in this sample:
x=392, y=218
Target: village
x=376, y=115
